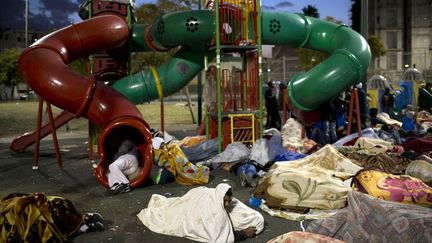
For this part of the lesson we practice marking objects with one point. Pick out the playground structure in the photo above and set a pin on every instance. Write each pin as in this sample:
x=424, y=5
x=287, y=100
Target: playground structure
x=408, y=90
x=201, y=35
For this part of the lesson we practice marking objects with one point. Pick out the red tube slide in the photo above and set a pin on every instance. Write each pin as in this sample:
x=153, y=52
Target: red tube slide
x=44, y=67
x=20, y=143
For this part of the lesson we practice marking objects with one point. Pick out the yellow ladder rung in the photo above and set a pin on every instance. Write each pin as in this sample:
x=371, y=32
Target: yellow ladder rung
x=252, y=116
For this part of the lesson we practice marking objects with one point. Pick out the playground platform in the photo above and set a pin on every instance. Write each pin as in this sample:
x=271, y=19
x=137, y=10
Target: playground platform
x=76, y=182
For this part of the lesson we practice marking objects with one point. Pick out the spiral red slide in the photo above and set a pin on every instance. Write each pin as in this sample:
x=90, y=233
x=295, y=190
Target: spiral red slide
x=44, y=66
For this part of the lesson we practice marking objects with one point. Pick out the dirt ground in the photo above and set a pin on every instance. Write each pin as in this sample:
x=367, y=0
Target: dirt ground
x=76, y=182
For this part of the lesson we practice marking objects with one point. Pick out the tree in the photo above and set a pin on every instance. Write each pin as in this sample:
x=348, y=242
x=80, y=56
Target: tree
x=311, y=11
x=377, y=47
x=355, y=15
x=146, y=13
x=80, y=66
x=9, y=74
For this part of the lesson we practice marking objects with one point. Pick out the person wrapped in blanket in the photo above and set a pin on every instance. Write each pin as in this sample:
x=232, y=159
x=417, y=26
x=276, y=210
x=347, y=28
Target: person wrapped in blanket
x=220, y=218
x=36, y=217
x=174, y=165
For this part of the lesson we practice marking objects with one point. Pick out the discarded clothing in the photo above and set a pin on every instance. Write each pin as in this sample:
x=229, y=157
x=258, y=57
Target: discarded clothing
x=234, y=152
x=310, y=215
x=403, y=188
x=190, y=141
x=424, y=118
x=385, y=118
x=259, y=151
x=368, y=219
x=275, y=147
x=420, y=169
x=288, y=156
x=418, y=144
x=327, y=159
x=202, y=151
x=199, y=215
x=292, y=134
x=373, y=145
x=390, y=163
x=368, y=132
x=172, y=158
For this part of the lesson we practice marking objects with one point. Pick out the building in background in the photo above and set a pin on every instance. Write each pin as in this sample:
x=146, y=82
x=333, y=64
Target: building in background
x=10, y=38
x=405, y=28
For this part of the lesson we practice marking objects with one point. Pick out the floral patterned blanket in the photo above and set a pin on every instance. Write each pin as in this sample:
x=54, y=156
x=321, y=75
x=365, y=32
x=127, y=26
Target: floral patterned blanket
x=315, y=181
x=396, y=188
x=368, y=219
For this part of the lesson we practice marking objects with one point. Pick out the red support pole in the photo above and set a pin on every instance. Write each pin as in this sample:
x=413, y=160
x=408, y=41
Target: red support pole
x=162, y=111
x=285, y=97
x=90, y=141
x=357, y=105
x=54, y=134
x=38, y=131
x=350, y=113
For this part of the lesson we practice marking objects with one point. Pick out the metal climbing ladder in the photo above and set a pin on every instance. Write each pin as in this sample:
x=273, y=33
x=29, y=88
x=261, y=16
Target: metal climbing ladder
x=243, y=128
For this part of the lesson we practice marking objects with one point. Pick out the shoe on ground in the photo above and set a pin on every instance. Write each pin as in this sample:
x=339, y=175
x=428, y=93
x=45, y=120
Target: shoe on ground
x=90, y=227
x=247, y=180
x=118, y=188
x=93, y=227
x=92, y=218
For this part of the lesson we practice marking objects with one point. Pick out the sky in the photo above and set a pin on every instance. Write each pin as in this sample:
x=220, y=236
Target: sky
x=45, y=15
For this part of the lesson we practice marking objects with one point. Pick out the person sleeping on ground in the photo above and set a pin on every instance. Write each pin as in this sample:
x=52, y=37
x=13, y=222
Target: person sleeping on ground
x=36, y=217
x=203, y=214
x=125, y=163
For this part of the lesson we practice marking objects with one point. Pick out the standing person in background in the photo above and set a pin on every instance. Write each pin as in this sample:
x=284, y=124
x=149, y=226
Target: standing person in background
x=271, y=105
x=363, y=106
x=387, y=101
x=281, y=97
x=425, y=97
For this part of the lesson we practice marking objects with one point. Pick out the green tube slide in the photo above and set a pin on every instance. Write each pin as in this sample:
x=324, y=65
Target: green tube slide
x=194, y=30
x=350, y=56
x=173, y=76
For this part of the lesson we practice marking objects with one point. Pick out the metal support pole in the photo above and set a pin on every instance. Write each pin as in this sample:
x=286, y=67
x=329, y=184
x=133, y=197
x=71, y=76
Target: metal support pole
x=199, y=86
x=26, y=22
x=283, y=68
x=260, y=74
x=218, y=78
x=364, y=26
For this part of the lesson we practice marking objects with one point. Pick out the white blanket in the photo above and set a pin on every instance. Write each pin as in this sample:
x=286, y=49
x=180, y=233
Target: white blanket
x=199, y=215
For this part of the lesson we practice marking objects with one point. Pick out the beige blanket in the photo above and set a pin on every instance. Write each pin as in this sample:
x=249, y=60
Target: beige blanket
x=315, y=181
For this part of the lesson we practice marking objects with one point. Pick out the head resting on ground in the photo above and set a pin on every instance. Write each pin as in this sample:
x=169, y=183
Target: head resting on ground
x=225, y=193
x=125, y=146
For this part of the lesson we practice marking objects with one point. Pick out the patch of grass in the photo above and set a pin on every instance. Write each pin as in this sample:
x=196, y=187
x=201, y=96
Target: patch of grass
x=19, y=117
